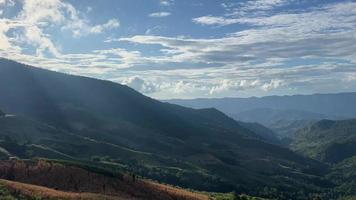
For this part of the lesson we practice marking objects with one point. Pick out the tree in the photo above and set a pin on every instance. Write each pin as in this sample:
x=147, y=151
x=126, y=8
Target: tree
x=2, y=114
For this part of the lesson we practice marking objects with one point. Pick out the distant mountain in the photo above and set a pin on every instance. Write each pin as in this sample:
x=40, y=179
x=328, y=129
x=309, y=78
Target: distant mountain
x=77, y=118
x=281, y=111
x=327, y=140
x=268, y=116
x=283, y=123
x=331, y=105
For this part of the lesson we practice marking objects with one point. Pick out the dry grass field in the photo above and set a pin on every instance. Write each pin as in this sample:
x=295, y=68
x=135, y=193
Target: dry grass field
x=40, y=192
x=50, y=180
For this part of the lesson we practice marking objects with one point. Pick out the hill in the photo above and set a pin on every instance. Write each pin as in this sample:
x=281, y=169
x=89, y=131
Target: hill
x=55, y=180
x=327, y=140
x=70, y=117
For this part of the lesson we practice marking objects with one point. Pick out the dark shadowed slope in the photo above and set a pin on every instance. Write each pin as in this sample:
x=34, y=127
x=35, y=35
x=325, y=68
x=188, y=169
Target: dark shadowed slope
x=84, y=118
x=262, y=131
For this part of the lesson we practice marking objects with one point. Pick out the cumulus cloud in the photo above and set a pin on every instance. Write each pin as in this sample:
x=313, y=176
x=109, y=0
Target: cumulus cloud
x=159, y=14
x=38, y=16
x=273, y=84
x=111, y=24
x=228, y=85
x=139, y=84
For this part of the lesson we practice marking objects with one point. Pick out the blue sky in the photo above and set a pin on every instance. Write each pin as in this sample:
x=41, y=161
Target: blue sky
x=189, y=48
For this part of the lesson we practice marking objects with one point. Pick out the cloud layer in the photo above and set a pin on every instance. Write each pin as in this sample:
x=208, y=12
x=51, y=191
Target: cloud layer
x=263, y=47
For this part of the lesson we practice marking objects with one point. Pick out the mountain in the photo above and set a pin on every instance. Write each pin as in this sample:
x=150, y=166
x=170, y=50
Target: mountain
x=331, y=105
x=333, y=142
x=327, y=140
x=285, y=129
x=268, y=116
x=283, y=123
x=263, y=132
x=343, y=174
x=282, y=114
x=61, y=116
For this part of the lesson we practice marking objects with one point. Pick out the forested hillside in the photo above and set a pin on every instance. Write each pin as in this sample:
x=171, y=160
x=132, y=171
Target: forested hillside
x=70, y=117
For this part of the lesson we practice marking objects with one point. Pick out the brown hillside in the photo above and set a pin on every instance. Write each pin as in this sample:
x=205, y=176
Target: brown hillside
x=31, y=191
x=77, y=180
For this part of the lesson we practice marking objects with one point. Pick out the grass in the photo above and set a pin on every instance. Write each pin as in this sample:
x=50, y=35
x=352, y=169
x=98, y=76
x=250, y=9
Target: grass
x=91, y=181
x=232, y=196
x=10, y=190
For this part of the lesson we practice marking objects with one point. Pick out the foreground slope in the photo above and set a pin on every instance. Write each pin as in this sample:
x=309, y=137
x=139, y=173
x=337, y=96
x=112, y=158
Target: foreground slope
x=78, y=118
x=69, y=181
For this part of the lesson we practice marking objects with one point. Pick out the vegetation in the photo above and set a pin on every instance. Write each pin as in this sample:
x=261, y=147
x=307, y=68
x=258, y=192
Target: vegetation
x=101, y=122
x=103, y=137
x=327, y=140
x=233, y=196
x=333, y=142
x=10, y=190
x=5, y=194
x=83, y=184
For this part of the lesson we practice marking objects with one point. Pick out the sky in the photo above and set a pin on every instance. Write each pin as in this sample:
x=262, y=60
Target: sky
x=189, y=48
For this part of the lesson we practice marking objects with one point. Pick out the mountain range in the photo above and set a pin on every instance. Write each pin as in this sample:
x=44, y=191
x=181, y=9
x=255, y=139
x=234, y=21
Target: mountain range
x=282, y=114
x=65, y=117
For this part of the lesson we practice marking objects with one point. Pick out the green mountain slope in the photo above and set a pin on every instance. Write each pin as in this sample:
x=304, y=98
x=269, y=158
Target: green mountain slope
x=262, y=131
x=343, y=175
x=72, y=117
x=327, y=140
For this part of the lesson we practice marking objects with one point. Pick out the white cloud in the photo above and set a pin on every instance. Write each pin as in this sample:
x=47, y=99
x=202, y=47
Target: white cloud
x=30, y=26
x=112, y=23
x=160, y=14
x=166, y=2
x=273, y=84
x=228, y=85
x=139, y=84
x=262, y=4
x=212, y=20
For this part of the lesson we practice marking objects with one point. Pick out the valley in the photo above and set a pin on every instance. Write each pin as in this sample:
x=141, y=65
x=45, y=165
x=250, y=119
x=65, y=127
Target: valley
x=54, y=122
